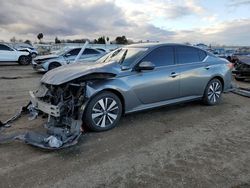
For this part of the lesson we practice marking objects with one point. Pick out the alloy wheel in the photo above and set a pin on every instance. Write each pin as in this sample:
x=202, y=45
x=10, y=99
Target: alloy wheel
x=105, y=112
x=214, y=92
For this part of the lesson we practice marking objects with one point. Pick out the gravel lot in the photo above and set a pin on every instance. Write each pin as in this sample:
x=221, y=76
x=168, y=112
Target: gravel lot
x=188, y=145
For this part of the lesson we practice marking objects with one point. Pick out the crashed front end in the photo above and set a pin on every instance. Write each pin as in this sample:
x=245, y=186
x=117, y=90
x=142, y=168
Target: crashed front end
x=64, y=107
x=61, y=97
x=242, y=67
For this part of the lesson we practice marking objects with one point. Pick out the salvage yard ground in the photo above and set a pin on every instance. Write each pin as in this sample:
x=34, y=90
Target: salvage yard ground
x=188, y=145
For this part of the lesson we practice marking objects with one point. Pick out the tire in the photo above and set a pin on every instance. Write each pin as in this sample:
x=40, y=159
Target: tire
x=98, y=116
x=213, y=92
x=54, y=65
x=239, y=79
x=24, y=60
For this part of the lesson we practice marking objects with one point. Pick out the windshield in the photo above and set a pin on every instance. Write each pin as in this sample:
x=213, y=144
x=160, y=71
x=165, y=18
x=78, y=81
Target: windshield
x=61, y=51
x=124, y=56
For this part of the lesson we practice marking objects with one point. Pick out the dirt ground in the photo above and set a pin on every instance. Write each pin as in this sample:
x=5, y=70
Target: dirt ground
x=189, y=145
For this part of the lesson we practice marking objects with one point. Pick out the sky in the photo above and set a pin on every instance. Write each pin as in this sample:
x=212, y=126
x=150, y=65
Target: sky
x=224, y=22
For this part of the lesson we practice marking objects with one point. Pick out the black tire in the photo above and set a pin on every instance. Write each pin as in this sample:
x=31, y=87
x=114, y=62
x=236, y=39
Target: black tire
x=98, y=117
x=54, y=65
x=239, y=79
x=213, y=92
x=24, y=60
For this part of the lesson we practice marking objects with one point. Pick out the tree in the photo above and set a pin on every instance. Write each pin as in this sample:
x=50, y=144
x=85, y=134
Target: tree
x=100, y=40
x=27, y=42
x=57, y=40
x=40, y=37
x=121, y=40
x=13, y=39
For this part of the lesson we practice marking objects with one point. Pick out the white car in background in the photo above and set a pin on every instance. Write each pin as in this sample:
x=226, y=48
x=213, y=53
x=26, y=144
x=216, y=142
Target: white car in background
x=65, y=56
x=10, y=54
x=26, y=47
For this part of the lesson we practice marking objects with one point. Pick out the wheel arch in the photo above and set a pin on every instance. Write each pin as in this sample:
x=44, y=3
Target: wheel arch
x=220, y=78
x=54, y=62
x=119, y=95
x=114, y=91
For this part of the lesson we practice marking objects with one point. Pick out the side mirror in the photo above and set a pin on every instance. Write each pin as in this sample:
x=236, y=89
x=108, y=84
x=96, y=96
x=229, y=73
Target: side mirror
x=145, y=65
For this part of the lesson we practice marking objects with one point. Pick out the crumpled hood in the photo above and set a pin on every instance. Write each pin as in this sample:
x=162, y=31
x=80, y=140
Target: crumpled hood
x=70, y=72
x=45, y=57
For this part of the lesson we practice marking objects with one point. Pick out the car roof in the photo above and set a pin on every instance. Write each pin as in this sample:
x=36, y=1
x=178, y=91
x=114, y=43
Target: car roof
x=154, y=45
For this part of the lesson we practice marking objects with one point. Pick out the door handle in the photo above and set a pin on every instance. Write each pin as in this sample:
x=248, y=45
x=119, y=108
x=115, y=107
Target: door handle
x=173, y=74
x=207, y=67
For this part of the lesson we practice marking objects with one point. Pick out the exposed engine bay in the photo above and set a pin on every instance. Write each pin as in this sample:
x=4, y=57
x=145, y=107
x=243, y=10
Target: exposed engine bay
x=62, y=105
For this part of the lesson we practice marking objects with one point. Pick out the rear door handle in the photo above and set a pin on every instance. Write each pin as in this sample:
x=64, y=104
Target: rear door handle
x=174, y=74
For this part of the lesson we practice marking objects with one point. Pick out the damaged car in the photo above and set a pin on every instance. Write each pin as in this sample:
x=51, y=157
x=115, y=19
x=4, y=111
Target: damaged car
x=242, y=67
x=63, y=57
x=129, y=79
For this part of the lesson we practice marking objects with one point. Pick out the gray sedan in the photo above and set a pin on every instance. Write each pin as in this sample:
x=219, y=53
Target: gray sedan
x=130, y=79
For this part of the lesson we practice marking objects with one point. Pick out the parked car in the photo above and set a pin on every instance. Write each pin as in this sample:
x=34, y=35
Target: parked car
x=62, y=57
x=129, y=79
x=242, y=67
x=10, y=54
x=26, y=47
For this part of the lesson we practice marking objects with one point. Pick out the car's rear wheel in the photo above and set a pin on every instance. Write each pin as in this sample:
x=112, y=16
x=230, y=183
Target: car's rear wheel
x=103, y=112
x=213, y=92
x=24, y=60
x=54, y=65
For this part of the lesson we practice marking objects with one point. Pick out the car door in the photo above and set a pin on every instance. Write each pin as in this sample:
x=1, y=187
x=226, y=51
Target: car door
x=7, y=54
x=71, y=55
x=89, y=54
x=193, y=71
x=159, y=84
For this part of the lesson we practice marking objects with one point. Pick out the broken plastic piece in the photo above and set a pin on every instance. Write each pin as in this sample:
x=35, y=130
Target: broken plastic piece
x=245, y=92
x=53, y=142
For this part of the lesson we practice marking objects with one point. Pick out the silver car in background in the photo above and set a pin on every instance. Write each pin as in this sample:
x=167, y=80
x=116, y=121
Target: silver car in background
x=64, y=56
x=130, y=79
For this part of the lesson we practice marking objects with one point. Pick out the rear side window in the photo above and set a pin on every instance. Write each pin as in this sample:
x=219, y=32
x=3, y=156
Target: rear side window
x=161, y=56
x=88, y=51
x=202, y=55
x=74, y=52
x=187, y=54
x=4, y=47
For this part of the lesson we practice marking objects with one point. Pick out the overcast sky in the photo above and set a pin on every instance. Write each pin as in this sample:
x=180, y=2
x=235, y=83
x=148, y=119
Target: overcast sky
x=208, y=21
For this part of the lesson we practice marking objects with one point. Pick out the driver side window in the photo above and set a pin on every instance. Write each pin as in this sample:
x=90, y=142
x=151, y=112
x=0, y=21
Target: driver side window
x=5, y=48
x=74, y=52
x=161, y=56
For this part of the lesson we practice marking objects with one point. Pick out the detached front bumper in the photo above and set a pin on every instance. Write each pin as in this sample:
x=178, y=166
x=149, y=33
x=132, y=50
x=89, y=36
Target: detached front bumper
x=38, y=67
x=44, y=107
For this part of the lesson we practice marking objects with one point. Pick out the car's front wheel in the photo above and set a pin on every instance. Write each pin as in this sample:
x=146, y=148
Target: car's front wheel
x=213, y=92
x=103, y=112
x=24, y=60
